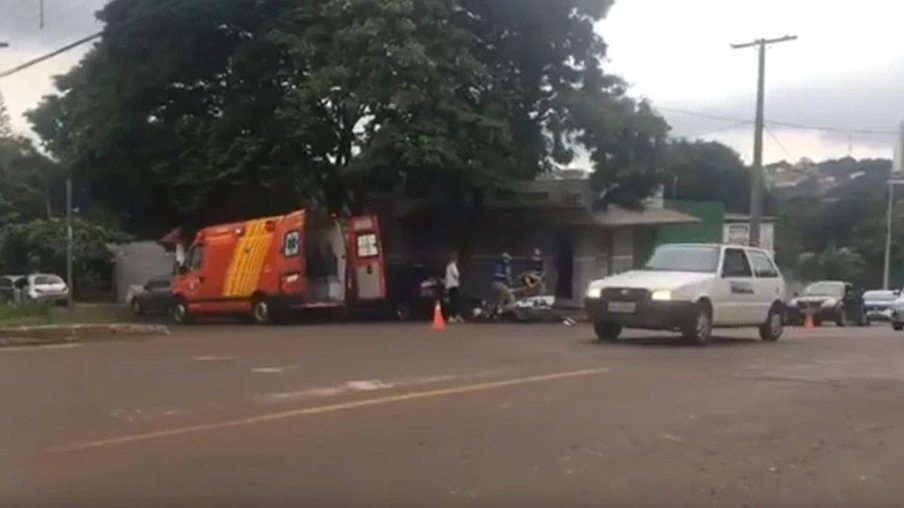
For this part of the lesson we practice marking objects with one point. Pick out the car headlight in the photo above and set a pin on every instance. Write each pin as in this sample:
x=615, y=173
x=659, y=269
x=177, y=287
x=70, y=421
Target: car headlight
x=661, y=295
x=593, y=290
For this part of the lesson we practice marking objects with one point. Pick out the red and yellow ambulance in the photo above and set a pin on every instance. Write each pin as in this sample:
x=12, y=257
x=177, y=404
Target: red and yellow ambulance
x=264, y=268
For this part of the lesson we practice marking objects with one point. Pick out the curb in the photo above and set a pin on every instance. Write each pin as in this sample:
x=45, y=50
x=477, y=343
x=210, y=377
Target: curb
x=55, y=334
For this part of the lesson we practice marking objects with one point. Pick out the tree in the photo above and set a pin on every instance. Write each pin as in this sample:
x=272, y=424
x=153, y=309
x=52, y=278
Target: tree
x=204, y=110
x=6, y=128
x=31, y=185
x=849, y=210
x=45, y=239
x=708, y=171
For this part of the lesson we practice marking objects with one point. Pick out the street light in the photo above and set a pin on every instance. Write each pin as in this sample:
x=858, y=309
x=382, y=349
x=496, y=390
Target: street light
x=888, y=221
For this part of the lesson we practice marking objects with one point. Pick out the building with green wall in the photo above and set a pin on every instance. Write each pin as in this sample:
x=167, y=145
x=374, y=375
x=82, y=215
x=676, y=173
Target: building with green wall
x=708, y=230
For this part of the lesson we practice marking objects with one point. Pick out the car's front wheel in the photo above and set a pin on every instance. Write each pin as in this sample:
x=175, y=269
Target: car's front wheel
x=607, y=331
x=897, y=326
x=773, y=328
x=699, y=329
x=180, y=313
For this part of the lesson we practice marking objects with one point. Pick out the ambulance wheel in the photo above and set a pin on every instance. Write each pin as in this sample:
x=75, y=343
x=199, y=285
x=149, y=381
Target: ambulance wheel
x=179, y=312
x=261, y=310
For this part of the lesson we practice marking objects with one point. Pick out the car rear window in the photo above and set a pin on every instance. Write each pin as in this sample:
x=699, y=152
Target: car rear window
x=825, y=289
x=47, y=280
x=879, y=295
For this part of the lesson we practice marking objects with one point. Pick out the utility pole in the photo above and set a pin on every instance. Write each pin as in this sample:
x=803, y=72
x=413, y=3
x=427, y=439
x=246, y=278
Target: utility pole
x=69, y=244
x=897, y=168
x=756, y=177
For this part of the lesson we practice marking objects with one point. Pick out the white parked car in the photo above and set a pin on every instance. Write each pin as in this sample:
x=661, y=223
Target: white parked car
x=692, y=288
x=897, y=312
x=47, y=287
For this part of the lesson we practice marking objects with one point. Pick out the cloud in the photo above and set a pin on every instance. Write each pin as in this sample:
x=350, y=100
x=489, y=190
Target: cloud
x=864, y=110
x=64, y=21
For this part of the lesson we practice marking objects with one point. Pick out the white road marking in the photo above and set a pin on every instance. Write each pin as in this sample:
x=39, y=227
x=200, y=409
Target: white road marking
x=670, y=437
x=134, y=415
x=12, y=349
x=367, y=385
x=212, y=358
x=330, y=408
x=274, y=370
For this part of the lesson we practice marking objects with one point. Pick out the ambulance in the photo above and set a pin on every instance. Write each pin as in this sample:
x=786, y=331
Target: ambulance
x=263, y=269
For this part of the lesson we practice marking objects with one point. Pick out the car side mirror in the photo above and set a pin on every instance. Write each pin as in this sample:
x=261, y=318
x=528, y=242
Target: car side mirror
x=147, y=286
x=796, y=294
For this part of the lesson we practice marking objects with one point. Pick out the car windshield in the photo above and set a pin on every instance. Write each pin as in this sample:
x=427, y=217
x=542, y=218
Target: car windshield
x=880, y=295
x=825, y=289
x=684, y=258
x=47, y=280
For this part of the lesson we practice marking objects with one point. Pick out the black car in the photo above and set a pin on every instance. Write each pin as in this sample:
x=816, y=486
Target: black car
x=828, y=300
x=155, y=298
x=8, y=288
x=413, y=290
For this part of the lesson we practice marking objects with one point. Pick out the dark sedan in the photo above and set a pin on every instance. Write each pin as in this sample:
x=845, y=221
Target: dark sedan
x=155, y=297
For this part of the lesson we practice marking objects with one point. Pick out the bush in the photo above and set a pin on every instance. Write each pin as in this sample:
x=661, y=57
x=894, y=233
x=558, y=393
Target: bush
x=25, y=314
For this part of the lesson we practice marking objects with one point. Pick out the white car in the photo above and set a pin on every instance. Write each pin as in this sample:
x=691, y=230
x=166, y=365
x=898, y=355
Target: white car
x=897, y=313
x=692, y=288
x=47, y=287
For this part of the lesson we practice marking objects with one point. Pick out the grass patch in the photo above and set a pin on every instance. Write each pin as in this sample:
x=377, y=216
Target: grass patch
x=27, y=313
x=31, y=313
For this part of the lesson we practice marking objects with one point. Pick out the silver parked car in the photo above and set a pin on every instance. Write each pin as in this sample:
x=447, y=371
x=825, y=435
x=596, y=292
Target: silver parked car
x=46, y=287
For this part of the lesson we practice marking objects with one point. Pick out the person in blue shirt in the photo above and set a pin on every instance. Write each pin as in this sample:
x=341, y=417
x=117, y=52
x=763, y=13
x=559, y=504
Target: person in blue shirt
x=502, y=280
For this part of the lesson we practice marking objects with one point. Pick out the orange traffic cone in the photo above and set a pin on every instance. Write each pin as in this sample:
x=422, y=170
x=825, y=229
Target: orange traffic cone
x=808, y=322
x=439, y=323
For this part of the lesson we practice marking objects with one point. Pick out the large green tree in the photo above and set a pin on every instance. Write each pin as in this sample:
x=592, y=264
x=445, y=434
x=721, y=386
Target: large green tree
x=708, y=171
x=841, y=204
x=205, y=110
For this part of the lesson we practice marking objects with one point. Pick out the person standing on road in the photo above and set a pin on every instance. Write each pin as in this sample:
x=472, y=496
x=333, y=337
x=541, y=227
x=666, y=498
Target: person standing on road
x=536, y=270
x=453, y=283
x=502, y=280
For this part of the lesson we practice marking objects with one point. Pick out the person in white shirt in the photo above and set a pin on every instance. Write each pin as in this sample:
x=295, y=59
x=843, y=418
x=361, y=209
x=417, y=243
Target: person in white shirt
x=453, y=284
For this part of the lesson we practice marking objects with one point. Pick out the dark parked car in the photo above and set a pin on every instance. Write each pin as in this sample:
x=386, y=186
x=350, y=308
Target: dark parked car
x=830, y=300
x=155, y=297
x=414, y=289
x=7, y=288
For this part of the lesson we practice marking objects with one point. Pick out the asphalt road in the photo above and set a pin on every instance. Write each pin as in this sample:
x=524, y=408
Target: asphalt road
x=478, y=415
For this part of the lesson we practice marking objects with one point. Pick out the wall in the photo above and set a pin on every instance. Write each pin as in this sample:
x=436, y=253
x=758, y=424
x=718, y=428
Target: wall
x=709, y=230
x=137, y=262
x=592, y=260
x=738, y=233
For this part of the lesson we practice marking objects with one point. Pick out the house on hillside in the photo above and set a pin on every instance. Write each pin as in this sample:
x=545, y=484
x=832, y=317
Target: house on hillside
x=578, y=243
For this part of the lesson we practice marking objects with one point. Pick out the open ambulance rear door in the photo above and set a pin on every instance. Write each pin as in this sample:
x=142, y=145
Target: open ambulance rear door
x=366, y=261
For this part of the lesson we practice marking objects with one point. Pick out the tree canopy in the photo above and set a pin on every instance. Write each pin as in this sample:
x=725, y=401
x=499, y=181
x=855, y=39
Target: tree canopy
x=204, y=110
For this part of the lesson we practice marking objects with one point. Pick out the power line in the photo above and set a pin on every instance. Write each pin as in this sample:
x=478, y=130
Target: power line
x=35, y=61
x=778, y=123
x=779, y=143
x=717, y=131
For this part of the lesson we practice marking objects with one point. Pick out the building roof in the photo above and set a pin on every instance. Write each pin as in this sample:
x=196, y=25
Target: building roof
x=614, y=216
x=740, y=217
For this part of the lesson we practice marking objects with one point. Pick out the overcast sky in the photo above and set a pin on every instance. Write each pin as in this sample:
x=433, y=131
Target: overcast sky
x=845, y=72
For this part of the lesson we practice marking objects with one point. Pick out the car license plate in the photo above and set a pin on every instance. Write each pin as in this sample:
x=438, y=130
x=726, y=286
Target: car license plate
x=622, y=307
